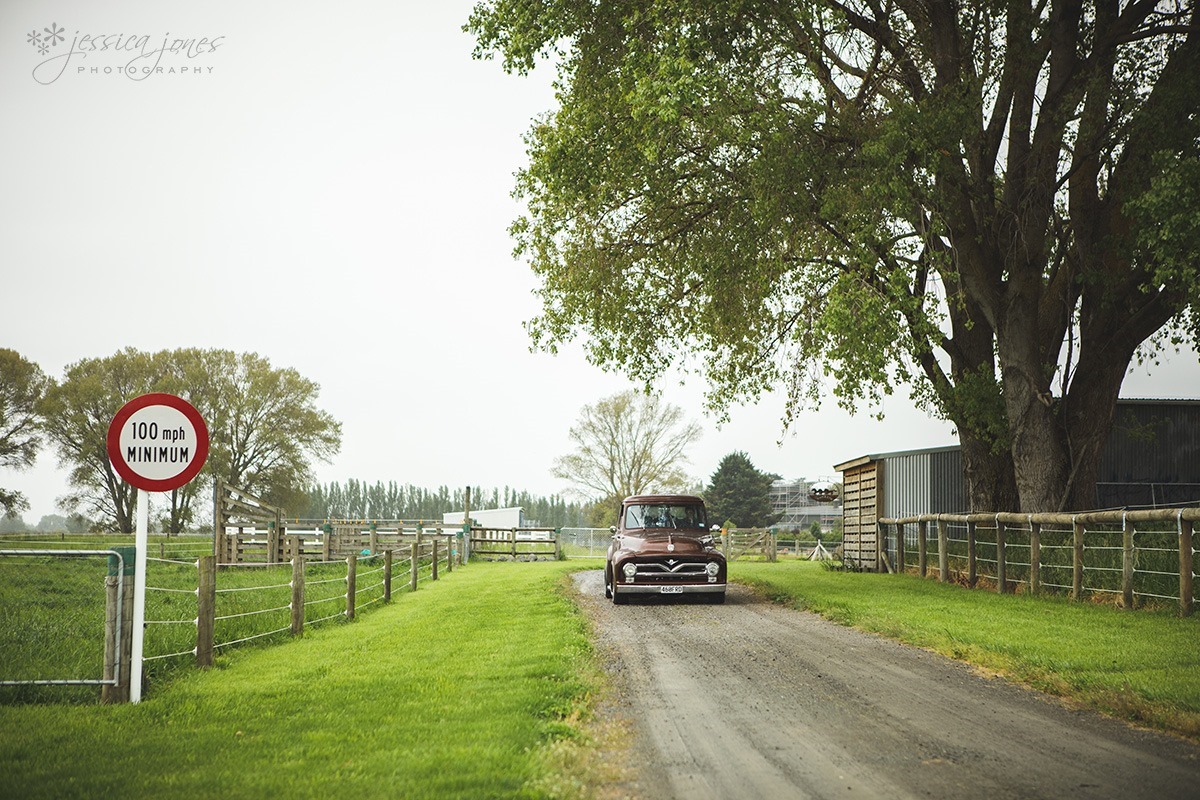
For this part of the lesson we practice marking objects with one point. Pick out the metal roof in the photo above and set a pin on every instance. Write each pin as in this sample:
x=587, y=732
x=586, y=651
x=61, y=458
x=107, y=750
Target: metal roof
x=867, y=459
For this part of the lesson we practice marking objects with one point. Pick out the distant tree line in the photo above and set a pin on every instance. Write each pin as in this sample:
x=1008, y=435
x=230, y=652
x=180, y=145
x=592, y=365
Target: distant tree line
x=355, y=499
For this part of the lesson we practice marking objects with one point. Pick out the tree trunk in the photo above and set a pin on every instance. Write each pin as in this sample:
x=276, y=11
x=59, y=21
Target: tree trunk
x=991, y=481
x=1041, y=458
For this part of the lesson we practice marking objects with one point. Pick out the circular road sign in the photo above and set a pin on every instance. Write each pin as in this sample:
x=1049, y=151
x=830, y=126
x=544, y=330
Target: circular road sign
x=158, y=442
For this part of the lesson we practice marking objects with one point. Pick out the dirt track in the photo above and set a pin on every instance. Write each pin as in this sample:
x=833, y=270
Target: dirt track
x=752, y=700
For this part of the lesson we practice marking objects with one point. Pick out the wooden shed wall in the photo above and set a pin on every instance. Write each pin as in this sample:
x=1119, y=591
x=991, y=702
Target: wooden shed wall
x=860, y=510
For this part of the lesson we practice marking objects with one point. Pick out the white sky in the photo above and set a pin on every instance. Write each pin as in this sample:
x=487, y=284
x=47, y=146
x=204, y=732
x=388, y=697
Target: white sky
x=334, y=195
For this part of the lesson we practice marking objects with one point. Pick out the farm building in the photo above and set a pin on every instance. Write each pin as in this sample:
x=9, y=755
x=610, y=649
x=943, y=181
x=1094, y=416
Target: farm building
x=1152, y=459
x=792, y=501
x=513, y=517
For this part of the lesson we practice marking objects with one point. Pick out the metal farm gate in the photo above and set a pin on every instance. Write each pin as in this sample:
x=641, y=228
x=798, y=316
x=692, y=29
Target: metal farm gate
x=67, y=621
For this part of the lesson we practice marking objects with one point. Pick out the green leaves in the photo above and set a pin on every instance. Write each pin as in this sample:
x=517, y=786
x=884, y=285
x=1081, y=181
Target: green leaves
x=738, y=491
x=264, y=426
x=800, y=196
x=22, y=384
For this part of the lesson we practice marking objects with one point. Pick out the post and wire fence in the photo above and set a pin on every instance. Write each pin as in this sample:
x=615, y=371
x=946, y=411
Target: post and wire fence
x=1140, y=557
x=94, y=594
x=195, y=608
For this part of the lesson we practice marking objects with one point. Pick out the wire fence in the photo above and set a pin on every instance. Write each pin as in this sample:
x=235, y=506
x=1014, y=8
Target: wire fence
x=1137, y=557
x=53, y=646
x=585, y=542
x=54, y=609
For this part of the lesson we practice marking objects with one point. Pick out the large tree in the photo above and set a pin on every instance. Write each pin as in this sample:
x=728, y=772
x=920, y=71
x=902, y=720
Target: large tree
x=264, y=427
x=739, y=492
x=264, y=422
x=993, y=203
x=77, y=411
x=629, y=443
x=22, y=384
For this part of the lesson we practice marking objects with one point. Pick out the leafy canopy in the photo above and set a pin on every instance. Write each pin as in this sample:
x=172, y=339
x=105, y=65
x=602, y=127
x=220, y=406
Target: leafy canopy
x=739, y=492
x=264, y=427
x=993, y=203
x=22, y=384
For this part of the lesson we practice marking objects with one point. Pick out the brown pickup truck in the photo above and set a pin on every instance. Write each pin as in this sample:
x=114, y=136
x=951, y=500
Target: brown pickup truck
x=662, y=546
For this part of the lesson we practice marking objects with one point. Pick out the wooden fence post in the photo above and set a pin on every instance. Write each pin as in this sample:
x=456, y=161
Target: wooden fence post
x=435, y=559
x=900, y=566
x=881, y=545
x=558, y=553
x=297, y=594
x=1001, y=565
x=773, y=553
x=972, y=562
x=112, y=624
x=1127, y=562
x=1035, y=557
x=513, y=535
x=387, y=576
x=351, y=584
x=416, y=556
x=923, y=547
x=206, y=609
x=1185, y=567
x=374, y=539
x=943, y=555
x=1077, y=560
x=118, y=638
x=327, y=542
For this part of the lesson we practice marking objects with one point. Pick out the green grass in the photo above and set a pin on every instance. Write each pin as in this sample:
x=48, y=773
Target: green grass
x=456, y=690
x=42, y=596
x=53, y=624
x=1143, y=666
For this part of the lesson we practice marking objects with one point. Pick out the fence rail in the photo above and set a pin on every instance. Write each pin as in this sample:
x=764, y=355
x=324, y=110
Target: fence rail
x=769, y=544
x=1133, y=554
x=276, y=543
x=514, y=543
x=194, y=608
x=29, y=644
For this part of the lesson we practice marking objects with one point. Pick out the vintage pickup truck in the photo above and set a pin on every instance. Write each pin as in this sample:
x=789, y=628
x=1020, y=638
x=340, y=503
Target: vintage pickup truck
x=662, y=546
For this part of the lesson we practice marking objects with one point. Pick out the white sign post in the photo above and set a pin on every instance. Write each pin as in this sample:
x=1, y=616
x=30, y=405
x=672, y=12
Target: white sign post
x=157, y=443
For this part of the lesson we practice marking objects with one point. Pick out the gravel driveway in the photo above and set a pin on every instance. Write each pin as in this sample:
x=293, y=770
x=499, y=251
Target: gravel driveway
x=754, y=700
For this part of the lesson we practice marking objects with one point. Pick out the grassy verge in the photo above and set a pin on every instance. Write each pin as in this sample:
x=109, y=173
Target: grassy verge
x=1142, y=666
x=458, y=690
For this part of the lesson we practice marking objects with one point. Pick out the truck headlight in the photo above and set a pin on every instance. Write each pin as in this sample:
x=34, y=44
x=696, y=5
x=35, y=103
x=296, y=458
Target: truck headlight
x=630, y=570
x=712, y=568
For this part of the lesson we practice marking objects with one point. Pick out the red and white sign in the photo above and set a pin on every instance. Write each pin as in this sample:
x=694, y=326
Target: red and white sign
x=158, y=442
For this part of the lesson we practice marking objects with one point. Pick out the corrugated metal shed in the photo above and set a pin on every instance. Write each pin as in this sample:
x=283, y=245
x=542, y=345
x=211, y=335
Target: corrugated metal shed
x=926, y=481
x=1152, y=459
x=1153, y=455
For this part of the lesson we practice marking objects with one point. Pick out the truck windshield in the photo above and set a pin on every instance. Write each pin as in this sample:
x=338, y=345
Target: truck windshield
x=665, y=516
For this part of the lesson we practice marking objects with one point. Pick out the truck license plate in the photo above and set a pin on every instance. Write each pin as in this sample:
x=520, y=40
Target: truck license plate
x=670, y=590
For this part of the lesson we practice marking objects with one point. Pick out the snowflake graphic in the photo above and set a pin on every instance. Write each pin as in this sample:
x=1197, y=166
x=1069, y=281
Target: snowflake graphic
x=54, y=34
x=35, y=38
x=43, y=48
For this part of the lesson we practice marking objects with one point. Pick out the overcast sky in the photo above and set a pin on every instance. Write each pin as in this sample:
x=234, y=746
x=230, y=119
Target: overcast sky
x=330, y=188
